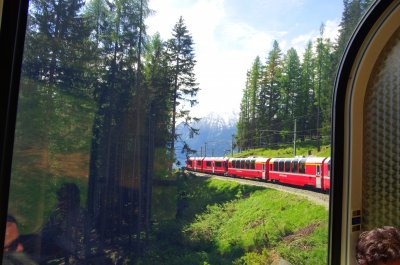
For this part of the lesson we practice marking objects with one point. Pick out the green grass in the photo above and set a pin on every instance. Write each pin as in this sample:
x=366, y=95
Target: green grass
x=224, y=222
x=304, y=150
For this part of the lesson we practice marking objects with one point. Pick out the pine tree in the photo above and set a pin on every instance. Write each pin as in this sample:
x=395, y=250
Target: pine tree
x=254, y=90
x=57, y=34
x=118, y=192
x=291, y=85
x=324, y=85
x=352, y=14
x=182, y=62
x=243, y=124
x=306, y=112
x=270, y=94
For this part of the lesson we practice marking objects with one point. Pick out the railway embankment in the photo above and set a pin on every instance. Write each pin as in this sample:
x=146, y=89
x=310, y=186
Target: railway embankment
x=236, y=221
x=314, y=196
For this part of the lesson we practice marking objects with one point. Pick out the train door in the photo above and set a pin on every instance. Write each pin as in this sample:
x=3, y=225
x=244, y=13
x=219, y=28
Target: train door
x=366, y=132
x=318, y=176
x=263, y=170
x=213, y=166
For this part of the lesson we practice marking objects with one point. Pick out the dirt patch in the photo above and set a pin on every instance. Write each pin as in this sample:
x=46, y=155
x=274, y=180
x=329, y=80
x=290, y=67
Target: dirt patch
x=299, y=234
x=253, y=224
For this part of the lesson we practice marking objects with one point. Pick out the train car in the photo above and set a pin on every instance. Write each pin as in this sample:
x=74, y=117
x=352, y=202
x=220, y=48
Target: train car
x=195, y=164
x=251, y=167
x=310, y=172
x=326, y=174
x=215, y=165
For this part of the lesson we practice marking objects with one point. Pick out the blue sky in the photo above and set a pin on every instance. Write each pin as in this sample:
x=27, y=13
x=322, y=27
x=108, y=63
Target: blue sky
x=229, y=34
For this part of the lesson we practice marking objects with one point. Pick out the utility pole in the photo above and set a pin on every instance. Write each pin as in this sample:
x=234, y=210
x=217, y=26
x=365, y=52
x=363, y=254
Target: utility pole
x=321, y=31
x=201, y=151
x=232, y=144
x=294, y=137
x=205, y=148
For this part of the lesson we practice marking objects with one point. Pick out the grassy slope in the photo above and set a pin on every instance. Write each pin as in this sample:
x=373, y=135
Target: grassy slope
x=287, y=152
x=227, y=223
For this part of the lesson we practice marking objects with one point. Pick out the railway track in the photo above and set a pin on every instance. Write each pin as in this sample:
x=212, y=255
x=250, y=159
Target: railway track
x=314, y=196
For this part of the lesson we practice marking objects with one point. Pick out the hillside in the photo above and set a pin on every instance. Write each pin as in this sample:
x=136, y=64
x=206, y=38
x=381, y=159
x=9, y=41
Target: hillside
x=222, y=222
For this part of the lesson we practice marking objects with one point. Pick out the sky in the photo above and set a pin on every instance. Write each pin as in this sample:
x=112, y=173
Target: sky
x=229, y=34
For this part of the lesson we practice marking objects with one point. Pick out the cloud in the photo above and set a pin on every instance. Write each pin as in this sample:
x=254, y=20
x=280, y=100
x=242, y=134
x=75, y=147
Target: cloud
x=225, y=48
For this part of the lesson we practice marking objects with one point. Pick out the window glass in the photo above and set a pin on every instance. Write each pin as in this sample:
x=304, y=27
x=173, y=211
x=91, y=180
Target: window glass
x=96, y=173
x=287, y=166
x=294, y=166
x=281, y=166
x=302, y=166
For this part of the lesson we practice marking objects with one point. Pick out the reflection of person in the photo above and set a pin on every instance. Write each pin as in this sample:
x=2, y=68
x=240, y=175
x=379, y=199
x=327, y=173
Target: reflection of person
x=13, y=248
x=11, y=241
x=66, y=232
x=380, y=246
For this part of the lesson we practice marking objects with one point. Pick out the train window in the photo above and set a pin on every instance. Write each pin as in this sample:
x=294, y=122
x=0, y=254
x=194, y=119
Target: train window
x=318, y=170
x=281, y=166
x=287, y=166
x=294, y=166
x=302, y=166
x=93, y=113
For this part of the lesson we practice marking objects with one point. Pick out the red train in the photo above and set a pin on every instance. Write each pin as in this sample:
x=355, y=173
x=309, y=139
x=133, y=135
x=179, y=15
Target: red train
x=305, y=172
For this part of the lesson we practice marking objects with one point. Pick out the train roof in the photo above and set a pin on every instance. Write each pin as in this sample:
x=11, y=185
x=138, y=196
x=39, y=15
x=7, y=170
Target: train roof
x=215, y=158
x=208, y=158
x=310, y=159
x=257, y=159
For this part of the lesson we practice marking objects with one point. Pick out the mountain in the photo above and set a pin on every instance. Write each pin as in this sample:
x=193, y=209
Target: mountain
x=214, y=138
